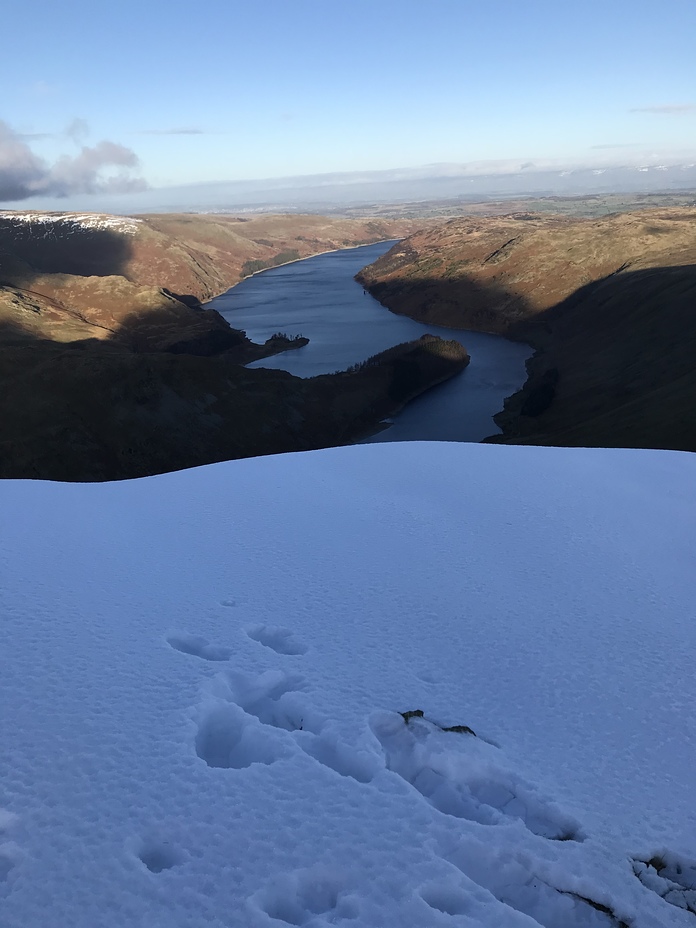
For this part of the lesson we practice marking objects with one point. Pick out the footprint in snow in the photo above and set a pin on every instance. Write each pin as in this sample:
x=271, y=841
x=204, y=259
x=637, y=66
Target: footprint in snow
x=199, y=647
x=278, y=639
x=670, y=876
x=158, y=855
x=304, y=896
x=450, y=900
x=339, y=757
x=228, y=732
x=513, y=882
x=274, y=698
x=460, y=775
x=227, y=738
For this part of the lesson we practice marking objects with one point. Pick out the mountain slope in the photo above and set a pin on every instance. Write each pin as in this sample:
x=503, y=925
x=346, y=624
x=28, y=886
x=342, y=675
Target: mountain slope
x=110, y=368
x=610, y=306
x=61, y=269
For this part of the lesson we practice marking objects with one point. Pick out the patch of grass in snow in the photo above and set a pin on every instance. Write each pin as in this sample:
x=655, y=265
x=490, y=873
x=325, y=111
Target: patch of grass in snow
x=419, y=714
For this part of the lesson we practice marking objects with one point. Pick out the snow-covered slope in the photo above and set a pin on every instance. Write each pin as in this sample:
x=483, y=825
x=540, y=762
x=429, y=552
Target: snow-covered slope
x=70, y=222
x=202, y=676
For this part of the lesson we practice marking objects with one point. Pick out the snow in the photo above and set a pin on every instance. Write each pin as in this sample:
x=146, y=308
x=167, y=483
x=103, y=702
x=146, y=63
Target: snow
x=226, y=693
x=126, y=225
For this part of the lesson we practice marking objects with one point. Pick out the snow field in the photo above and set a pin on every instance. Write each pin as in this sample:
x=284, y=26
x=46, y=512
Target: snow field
x=209, y=682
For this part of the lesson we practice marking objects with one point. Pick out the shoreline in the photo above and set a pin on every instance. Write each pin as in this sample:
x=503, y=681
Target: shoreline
x=315, y=254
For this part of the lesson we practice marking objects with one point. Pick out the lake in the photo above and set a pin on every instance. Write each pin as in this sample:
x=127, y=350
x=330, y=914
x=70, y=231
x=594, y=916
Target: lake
x=319, y=298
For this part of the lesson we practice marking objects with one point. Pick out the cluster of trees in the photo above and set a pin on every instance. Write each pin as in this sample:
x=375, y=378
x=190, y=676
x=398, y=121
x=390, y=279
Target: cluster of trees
x=259, y=264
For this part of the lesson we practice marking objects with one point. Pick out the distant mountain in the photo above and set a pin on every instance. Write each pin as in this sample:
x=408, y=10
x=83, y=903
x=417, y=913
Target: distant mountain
x=609, y=304
x=642, y=173
x=335, y=190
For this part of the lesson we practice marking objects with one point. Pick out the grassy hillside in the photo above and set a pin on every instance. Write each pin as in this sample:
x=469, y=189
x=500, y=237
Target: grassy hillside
x=110, y=368
x=610, y=306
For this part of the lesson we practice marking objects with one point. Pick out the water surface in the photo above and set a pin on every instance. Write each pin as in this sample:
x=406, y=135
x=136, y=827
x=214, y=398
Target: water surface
x=319, y=298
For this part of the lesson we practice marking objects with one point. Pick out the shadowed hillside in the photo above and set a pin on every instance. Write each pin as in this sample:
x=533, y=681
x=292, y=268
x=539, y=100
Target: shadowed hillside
x=609, y=305
x=111, y=368
x=60, y=272
x=193, y=257
x=97, y=409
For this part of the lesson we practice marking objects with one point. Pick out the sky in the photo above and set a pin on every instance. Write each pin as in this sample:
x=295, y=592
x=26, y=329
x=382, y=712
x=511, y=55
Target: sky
x=110, y=98
x=203, y=675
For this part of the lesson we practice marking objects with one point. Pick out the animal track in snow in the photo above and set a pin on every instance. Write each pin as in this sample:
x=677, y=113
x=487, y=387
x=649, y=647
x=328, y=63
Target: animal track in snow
x=302, y=897
x=159, y=855
x=460, y=775
x=278, y=639
x=272, y=697
x=346, y=761
x=198, y=647
x=445, y=898
x=510, y=879
x=670, y=876
x=227, y=738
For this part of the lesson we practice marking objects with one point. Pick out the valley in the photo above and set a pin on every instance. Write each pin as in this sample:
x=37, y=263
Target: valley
x=112, y=365
x=608, y=304
x=110, y=368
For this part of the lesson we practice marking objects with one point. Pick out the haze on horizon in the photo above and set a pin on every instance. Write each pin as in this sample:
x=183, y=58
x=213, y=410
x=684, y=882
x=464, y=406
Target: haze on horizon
x=121, y=102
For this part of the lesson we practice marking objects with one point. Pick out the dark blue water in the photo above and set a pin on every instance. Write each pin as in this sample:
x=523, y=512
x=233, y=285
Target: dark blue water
x=319, y=299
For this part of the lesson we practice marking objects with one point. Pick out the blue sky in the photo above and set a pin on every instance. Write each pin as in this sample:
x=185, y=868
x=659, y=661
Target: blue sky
x=227, y=91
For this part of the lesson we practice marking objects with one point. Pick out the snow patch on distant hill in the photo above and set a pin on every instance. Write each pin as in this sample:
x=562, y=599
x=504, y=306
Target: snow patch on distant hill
x=126, y=225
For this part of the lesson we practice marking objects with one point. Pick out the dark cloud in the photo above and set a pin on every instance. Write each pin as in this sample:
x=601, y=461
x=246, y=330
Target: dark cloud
x=667, y=109
x=23, y=174
x=180, y=131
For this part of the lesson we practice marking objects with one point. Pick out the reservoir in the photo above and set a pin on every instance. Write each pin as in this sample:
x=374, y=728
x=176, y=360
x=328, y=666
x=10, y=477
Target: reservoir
x=319, y=299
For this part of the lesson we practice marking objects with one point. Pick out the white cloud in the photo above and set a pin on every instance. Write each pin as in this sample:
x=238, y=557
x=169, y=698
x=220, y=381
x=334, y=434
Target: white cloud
x=23, y=174
x=667, y=109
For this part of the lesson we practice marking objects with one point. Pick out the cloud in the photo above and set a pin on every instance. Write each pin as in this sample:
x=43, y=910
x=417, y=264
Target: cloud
x=78, y=130
x=667, y=109
x=178, y=131
x=617, y=145
x=23, y=174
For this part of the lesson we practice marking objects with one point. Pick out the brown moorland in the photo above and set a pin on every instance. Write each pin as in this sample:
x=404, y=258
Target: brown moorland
x=609, y=305
x=109, y=370
x=68, y=275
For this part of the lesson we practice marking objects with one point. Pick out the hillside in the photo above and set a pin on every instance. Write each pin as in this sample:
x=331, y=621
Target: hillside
x=609, y=304
x=388, y=686
x=66, y=275
x=98, y=411
x=110, y=368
